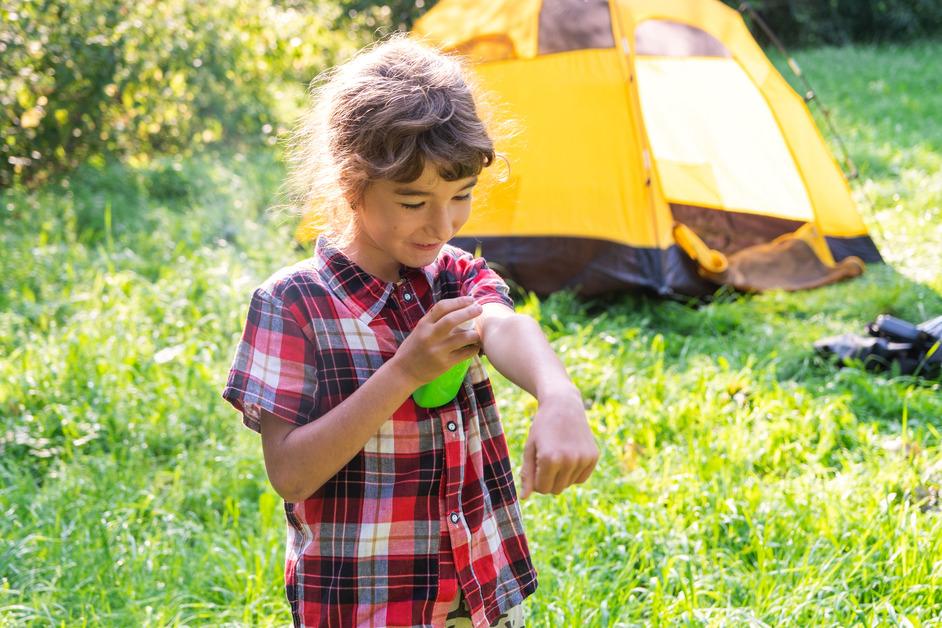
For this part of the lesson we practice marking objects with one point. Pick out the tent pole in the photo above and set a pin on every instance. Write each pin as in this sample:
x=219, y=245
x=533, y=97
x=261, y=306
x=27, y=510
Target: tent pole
x=810, y=94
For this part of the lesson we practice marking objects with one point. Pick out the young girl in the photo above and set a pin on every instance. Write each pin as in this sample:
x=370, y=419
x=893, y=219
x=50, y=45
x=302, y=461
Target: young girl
x=397, y=514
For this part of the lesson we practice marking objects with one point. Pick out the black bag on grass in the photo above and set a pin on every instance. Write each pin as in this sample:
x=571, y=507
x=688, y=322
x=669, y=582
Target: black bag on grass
x=915, y=348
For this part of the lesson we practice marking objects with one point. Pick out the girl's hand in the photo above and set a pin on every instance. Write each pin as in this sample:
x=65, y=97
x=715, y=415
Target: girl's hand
x=437, y=343
x=560, y=448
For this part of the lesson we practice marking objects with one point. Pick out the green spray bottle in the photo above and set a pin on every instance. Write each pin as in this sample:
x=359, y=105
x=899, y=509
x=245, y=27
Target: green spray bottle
x=444, y=388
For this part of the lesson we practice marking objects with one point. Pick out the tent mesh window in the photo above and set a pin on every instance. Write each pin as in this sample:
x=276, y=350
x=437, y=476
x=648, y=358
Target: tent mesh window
x=574, y=25
x=664, y=38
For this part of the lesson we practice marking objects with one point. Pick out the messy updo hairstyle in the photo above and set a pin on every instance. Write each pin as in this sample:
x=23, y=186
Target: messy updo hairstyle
x=382, y=115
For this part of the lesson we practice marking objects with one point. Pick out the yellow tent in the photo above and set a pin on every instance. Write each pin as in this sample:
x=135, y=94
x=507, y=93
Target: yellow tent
x=659, y=148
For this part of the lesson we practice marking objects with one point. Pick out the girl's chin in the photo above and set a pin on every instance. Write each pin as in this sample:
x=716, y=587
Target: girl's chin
x=423, y=257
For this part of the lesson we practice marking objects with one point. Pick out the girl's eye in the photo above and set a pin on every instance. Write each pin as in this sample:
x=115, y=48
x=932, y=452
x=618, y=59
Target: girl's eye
x=464, y=197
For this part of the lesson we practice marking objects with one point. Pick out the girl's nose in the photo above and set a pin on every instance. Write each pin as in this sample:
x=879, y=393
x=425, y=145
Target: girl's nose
x=441, y=223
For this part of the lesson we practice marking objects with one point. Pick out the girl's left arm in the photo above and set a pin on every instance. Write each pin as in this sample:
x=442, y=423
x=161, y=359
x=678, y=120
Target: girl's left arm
x=560, y=448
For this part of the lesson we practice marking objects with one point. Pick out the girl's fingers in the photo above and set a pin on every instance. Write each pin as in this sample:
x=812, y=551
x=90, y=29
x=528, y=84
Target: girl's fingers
x=447, y=306
x=545, y=483
x=462, y=339
x=559, y=484
x=584, y=474
x=527, y=469
x=578, y=474
x=565, y=479
x=463, y=353
x=546, y=474
x=447, y=323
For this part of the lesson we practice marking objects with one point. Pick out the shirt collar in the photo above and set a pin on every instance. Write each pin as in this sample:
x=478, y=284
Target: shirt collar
x=364, y=294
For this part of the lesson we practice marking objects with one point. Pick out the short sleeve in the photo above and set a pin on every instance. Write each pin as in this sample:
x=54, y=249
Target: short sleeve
x=480, y=281
x=274, y=365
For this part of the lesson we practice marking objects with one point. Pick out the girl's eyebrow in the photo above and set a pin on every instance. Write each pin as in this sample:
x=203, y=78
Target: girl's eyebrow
x=414, y=192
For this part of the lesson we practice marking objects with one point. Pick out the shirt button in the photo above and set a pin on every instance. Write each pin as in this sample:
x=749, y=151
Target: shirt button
x=407, y=296
x=451, y=426
x=454, y=517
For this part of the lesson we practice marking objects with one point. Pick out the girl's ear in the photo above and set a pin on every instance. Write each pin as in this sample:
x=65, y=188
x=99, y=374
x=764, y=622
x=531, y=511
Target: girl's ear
x=355, y=201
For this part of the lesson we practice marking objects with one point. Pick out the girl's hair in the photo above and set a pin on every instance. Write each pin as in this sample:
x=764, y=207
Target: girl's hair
x=382, y=115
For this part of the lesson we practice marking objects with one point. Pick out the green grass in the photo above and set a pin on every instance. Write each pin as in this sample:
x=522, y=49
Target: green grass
x=742, y=480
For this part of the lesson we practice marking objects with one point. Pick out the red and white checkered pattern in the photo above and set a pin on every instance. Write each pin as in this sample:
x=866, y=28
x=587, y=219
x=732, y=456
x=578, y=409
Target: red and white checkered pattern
x=429, y=504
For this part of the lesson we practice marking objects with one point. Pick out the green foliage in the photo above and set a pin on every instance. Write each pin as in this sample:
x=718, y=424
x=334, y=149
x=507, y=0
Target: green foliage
x=83, y=78
x=742, y=481
x=816, y=22
x=371, y=16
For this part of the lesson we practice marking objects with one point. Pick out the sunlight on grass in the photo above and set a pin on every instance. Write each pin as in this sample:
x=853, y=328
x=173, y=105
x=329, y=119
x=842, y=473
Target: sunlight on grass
x=884, y=101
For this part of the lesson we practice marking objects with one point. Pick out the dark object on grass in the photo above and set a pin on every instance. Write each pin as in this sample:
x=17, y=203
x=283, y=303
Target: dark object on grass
x=914, y=348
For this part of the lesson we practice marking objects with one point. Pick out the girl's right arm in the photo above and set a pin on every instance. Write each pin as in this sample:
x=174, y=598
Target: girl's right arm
x=299, y=460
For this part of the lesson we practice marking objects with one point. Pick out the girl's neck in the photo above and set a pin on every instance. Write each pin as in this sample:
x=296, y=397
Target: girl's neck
x=373, y=260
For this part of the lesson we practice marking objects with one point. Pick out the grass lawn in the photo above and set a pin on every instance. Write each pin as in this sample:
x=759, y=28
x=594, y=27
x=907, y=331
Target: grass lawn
x=742, y=480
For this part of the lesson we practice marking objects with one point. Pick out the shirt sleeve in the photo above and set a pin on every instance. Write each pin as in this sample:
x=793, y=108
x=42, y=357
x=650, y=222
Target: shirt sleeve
x=480, y=281
x=273, y=367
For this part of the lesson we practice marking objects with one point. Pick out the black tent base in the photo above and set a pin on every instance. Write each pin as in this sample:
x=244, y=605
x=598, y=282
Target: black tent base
x=588, y=267
x=593, y=267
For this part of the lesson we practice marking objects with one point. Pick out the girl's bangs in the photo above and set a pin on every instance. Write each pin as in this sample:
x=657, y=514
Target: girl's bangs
x=453, y=162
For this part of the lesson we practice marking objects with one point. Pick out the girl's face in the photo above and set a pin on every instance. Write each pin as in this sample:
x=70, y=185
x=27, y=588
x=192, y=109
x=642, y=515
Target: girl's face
x=407, y=223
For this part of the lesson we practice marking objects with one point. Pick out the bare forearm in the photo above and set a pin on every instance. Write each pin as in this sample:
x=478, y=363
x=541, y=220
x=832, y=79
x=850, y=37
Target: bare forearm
x=314, y=453
x=517, y=347
x=560, y=449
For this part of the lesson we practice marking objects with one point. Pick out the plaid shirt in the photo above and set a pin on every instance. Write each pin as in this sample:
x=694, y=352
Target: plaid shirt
x=428, y=505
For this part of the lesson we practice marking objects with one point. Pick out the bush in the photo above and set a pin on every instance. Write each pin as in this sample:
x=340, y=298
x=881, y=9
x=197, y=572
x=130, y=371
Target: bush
x=370, y=16
x=816, y=22
x=86, y=77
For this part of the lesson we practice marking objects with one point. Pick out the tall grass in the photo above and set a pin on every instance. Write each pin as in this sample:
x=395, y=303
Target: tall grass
x=742, y=480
